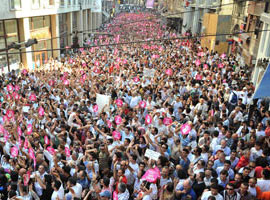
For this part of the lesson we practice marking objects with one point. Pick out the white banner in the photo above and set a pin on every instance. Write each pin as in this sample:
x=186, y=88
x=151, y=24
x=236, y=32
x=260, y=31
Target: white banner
x=152, y=154
x=96, y=6
x=101, y=101
x=149, y=72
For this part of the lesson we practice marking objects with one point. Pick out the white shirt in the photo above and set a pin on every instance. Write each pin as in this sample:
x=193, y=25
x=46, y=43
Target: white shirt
x=207, y=194
x=264, y=185
x=134, y=101
x=70, y=120
x=164, y=181
x=154, y=193
x=60, y=194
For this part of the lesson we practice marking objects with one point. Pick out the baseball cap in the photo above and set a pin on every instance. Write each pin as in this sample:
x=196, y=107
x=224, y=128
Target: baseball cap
x=105, y=193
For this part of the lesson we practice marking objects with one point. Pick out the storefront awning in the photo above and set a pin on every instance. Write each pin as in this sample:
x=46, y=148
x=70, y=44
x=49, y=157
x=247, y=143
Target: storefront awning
x=263, y=89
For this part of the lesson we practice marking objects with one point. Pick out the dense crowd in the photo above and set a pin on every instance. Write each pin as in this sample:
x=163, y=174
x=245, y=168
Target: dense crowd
x=154, y=120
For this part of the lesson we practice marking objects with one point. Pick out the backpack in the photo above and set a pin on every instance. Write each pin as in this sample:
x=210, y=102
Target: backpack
x=234, y=98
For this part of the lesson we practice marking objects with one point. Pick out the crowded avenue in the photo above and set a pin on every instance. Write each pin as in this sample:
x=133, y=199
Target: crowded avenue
x=144, y=113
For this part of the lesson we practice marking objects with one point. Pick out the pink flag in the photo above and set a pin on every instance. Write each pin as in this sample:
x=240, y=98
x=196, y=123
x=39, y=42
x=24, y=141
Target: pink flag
x=10, y=114
x=26, y=179
x=82, y=81
x=8, y=97
x=1, y=128
x=116, y=135
x=46, y=140
x=119, y=102
x=95, y=108
x=96, y=70
x=220, y=65
x=6, y=135
x=200, y=54
x=142, y=104
x=17, y=88
x=148, y=119
x=16, y=96
x=167, y=121
x=29, y=129
x=197, y=62
x=117, y=38
x=66, y=82
x=109, y=124
x=14, y=151
x=223, y=56
x=118, y=119
x=41, y=111
x=115, y=196
x=67, y=151
x=185, y=129
x=32, y=97
x=198, y=77
x=10, y=87
x=26, y=144
x=169, y=72
x=24, y=71
x=51, y=150
x=19, y=130
x=151, y=175
x=31, y=153
x=136, y=79
x=96, y=63
x=212, y=112
x=115, y=51
x=51, y=82
x=20, y=142
x=35, y=162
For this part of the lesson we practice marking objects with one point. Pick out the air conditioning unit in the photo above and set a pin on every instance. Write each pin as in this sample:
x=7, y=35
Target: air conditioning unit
x=203, y=29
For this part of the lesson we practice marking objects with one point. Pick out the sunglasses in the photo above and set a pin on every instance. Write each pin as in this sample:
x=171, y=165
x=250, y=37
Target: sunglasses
x=230, y=189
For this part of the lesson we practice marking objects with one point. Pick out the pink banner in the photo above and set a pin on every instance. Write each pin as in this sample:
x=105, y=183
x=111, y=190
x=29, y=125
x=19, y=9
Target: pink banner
x=150, y=4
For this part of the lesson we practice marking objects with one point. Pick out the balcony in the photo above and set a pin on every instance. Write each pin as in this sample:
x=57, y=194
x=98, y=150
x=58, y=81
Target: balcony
x=256, y=8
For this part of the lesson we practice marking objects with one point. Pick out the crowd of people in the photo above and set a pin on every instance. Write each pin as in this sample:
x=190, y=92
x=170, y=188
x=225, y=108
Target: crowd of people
x=180, y=122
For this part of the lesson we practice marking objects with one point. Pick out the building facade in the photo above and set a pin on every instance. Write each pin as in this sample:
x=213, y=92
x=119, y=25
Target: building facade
x=194, y=13
x=51, y=22
x=263, y=54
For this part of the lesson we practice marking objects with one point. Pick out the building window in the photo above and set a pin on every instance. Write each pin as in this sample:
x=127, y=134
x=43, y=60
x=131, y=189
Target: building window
x=11, y=35
x=1, y=29
x=267, y=51
x=74, y=2
x=15, y=4
x=51, y=2
x=267, y=7
x=264, y=33
x=62, y=3
x=35, y=4
x=69, y=2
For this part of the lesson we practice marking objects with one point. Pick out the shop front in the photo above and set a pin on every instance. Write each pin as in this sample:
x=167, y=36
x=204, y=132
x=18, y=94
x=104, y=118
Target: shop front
x=40, y=28
x=9, y=59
